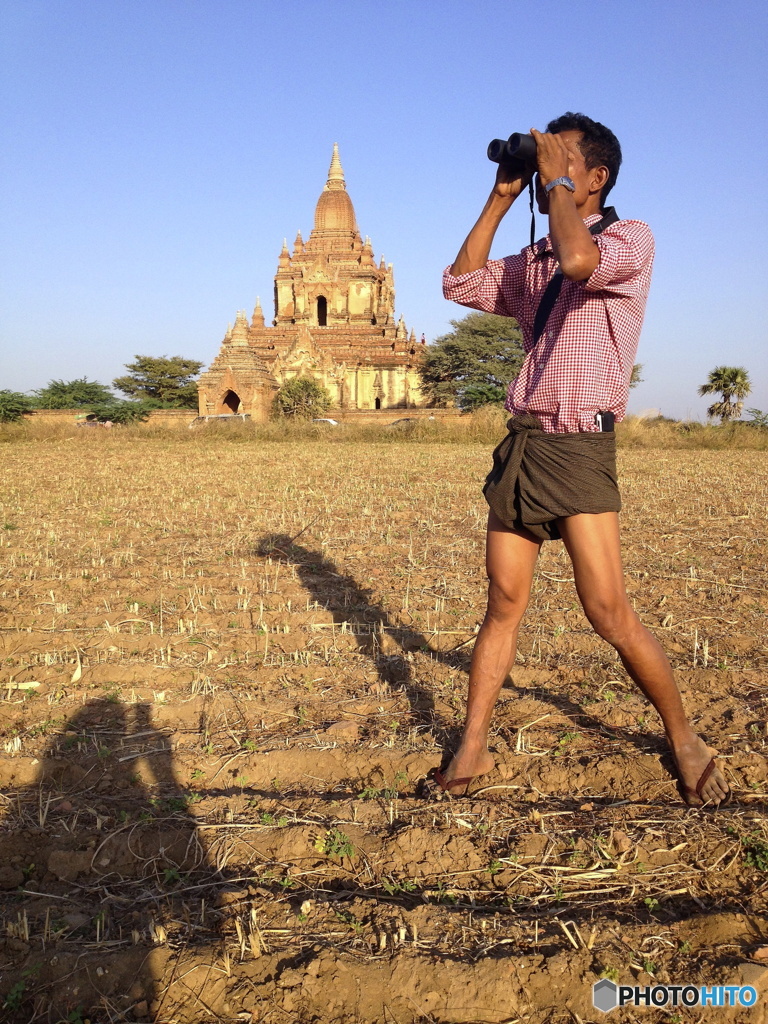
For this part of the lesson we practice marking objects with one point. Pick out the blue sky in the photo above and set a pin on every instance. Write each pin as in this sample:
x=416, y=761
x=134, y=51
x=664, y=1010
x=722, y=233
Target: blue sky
x=158, y=151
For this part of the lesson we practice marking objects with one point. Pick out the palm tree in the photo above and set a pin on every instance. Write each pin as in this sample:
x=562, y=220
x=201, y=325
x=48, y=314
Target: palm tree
x=732, y=382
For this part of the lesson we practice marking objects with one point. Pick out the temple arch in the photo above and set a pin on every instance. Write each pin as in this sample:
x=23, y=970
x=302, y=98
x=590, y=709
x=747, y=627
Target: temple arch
x=322, y=311
x=230, y=403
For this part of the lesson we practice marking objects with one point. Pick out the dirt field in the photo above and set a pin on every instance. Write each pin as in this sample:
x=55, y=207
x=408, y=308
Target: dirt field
x=227, y=665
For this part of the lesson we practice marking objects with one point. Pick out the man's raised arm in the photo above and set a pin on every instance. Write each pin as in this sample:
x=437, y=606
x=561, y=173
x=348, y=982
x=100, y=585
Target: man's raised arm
x=473, y=255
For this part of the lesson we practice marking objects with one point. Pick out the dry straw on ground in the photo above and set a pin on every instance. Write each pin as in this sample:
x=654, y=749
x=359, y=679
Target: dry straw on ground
x=226, y=664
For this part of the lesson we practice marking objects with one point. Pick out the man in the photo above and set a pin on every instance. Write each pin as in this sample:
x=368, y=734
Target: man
x=559, y=478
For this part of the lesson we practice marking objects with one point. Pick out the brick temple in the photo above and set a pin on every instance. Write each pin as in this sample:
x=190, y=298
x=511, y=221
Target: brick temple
x=334, y=321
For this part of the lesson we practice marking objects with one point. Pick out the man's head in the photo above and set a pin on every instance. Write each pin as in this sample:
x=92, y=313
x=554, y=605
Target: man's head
x=598, y=145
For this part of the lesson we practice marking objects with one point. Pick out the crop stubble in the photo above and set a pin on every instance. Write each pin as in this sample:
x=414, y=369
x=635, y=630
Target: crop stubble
x=225, y=668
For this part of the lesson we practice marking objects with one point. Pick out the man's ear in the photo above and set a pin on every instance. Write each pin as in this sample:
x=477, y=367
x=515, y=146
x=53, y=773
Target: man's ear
x=598, y=178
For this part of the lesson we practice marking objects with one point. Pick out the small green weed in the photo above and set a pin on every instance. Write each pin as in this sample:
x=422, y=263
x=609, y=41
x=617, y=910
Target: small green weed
x=755, y=852
x=564, y=741
x=265, y=818
x=15, y=996
x=393, y=887
x=335, y=843
x=371, y=793
x=346, y=917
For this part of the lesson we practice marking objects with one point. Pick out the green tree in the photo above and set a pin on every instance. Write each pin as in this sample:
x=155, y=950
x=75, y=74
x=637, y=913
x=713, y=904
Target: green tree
x=302, y=398
x=473, y=396
x=166, y=380
x=123, y=412
x=474, y=363
x=733, y=385
x=14, y=405
x=72, y=394
x=759, y=418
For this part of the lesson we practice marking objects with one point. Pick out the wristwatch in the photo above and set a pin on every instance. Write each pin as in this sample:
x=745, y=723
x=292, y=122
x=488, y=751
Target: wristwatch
x=560, y=181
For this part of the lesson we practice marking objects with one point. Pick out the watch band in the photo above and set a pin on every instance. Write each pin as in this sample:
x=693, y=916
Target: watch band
x=560, y=181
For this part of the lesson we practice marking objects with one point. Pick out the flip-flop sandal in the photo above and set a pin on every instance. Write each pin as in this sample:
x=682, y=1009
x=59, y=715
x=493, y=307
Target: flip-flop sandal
x=686, y=791
x=437, y=787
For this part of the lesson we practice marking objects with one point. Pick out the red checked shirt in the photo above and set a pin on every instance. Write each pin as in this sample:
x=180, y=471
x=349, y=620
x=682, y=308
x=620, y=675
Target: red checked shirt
x=583, y=360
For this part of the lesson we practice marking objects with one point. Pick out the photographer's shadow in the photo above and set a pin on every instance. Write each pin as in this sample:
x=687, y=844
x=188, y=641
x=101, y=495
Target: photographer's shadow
x=109, y=865
x=350, y=602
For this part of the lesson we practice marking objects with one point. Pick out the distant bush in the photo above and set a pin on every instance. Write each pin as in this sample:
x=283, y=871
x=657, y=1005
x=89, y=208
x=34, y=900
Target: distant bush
x=14, y=405
x=302, y=398
x=123, y=412
x=485, y=426
x=73, y=394
x=634, y=432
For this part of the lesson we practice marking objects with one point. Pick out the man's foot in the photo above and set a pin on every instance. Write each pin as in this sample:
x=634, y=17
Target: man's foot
x=701, y=781
x=465, y=765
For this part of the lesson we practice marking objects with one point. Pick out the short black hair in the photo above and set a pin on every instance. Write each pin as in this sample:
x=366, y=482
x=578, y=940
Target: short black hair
x=599, y=146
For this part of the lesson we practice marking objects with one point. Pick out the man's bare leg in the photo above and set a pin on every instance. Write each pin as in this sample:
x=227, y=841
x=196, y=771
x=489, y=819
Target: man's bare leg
x=592, y=541
x=510, y=559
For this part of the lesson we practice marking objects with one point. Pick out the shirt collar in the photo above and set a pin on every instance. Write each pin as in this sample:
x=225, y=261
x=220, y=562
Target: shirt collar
x=544, y=245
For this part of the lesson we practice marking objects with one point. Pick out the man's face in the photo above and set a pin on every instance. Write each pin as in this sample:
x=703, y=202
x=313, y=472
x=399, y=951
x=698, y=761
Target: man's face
x=577, y=171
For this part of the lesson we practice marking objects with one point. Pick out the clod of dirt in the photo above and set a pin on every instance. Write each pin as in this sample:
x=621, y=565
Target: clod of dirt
x=755, y=975
x=621, y=841
x=68, y=865
x=290, y=978
x=343, y=732
x=10, y=877
x=75, y=920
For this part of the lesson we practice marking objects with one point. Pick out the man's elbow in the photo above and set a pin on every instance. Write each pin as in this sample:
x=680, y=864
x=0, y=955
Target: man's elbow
x=579, y=267
x=450, y=288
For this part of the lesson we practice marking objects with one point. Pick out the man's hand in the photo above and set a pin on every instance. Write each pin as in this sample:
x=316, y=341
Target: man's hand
x=508, y=186
x=554, y=157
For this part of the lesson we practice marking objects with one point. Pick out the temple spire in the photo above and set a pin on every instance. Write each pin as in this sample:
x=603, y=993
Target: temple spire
x=239, y=335
x=257, y=320
x=335, y=171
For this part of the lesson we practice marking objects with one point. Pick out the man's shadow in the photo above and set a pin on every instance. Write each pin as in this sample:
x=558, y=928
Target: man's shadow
x=102, y=862
x=350, y=602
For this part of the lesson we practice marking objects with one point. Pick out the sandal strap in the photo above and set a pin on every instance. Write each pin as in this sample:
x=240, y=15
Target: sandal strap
x=440, y=779
x=704, y=776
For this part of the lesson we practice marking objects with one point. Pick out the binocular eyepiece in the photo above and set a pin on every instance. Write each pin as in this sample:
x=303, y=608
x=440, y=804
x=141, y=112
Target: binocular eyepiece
x=518, y=152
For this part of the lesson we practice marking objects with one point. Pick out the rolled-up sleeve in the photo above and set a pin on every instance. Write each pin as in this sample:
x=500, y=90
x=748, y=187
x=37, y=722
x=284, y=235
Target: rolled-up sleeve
x=495, y=288
x=626, y=255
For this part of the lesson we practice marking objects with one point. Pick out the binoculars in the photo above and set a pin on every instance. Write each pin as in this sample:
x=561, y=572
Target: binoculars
x=518, y=152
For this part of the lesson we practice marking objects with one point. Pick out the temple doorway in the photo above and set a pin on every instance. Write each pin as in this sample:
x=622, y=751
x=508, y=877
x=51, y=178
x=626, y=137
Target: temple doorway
x=322, y=311
x=230, y=402
x=378, y=403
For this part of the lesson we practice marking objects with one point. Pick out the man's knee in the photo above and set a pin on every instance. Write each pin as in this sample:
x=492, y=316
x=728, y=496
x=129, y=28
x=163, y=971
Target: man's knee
x=612, y=618
x=506, y=601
